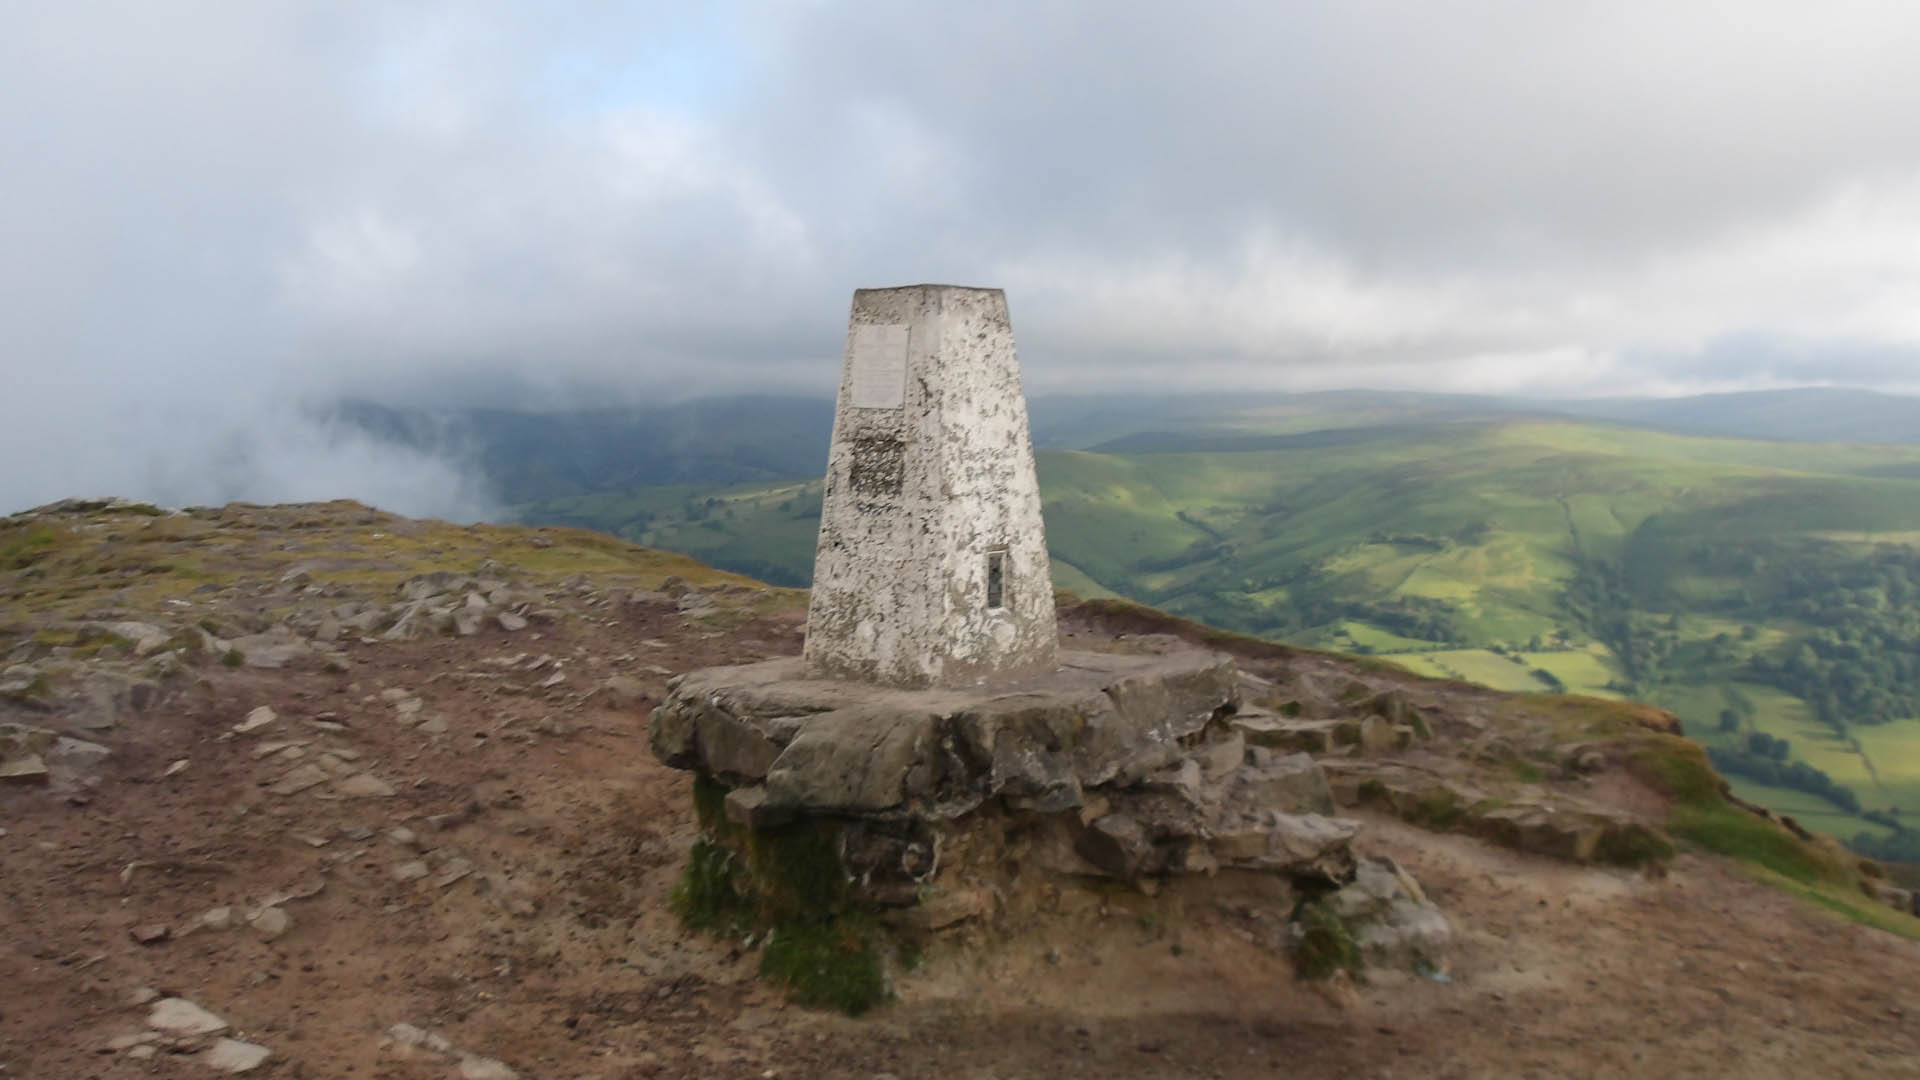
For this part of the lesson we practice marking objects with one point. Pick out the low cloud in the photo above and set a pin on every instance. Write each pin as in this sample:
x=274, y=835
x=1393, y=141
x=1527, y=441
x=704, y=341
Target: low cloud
x=223, y=216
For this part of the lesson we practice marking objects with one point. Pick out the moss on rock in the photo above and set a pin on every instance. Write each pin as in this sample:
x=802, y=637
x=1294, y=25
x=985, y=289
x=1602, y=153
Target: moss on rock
x=790, y=882
x=1323, y=946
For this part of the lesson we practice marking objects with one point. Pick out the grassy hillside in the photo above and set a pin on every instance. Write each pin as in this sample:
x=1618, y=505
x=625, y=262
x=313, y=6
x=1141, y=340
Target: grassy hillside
x=1770, y=582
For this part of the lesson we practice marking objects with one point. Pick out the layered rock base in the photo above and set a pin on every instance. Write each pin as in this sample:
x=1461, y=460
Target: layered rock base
x=942, y=805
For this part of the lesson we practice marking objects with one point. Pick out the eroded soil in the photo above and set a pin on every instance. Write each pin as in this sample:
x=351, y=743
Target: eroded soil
x=538, y=935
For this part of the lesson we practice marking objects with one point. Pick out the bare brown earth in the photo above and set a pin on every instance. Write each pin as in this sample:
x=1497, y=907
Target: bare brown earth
x=554, y=953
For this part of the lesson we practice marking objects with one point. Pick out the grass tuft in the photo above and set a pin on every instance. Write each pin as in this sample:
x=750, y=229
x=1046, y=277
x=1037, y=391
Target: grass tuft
x=1633, y=846
x=1728, y=830
x=1325, y=946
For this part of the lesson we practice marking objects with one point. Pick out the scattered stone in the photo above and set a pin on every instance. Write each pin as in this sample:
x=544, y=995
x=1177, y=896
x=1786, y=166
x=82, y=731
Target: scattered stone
x=300, y=779
x=142, y=1052
x=128, y=1042
x=624, y=690
x=216, y=918
x=234, y=1056
x=77, y=753
x=364, y=786
x=257, y=719
x=433, y=725
x=409, y=1035
x=175, y=769
x=24, y=769
x=151, y=933
x=23, y=740
x=453, y=872
x=271, y=922
x=473, y=1067
x=141, y=995
x=511, y=622
x=178, y=1016
x=275, y=649
x=268, y=749
x=410, y=871
x=403, y=836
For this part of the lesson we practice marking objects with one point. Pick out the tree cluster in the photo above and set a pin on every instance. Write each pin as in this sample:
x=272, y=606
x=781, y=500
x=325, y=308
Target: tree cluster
x=1777, y=772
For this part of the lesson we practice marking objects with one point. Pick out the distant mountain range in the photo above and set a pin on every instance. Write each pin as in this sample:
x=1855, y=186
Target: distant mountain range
x=533, y=455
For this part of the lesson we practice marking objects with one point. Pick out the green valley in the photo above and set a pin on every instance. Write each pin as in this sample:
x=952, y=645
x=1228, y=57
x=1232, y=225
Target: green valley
x=1758, y=588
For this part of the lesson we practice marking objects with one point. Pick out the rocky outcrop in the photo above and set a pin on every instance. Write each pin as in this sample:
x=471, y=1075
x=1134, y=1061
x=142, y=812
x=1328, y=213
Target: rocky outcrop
x=1525, y=818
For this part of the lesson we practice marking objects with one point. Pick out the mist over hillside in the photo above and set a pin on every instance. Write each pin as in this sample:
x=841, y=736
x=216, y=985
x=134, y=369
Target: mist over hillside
x=526, y=455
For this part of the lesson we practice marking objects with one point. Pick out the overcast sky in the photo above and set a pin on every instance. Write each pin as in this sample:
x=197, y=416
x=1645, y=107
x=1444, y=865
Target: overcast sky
x=212, y=214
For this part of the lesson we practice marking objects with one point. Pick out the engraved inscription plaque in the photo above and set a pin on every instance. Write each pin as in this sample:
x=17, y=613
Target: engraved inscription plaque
x=879, y=366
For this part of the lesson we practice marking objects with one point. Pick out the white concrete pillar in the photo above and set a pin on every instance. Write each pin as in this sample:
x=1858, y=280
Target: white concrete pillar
x=932, y=563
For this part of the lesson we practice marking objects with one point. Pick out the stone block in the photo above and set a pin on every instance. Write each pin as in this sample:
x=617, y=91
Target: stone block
x=1117, y=844
x=852, y=759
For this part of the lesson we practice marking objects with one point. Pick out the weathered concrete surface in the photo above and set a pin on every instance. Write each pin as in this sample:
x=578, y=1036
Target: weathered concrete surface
x=930, y=482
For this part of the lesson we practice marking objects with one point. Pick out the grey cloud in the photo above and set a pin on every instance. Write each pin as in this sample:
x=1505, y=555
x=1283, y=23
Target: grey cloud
x=219, y=214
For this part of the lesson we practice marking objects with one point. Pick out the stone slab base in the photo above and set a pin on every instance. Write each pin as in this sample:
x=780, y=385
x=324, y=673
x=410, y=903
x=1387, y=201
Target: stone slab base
x=1130, y=766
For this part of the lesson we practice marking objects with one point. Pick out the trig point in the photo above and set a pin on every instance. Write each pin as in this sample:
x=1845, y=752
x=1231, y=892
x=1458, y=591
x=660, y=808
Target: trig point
x=933, y=756
x=932, y=564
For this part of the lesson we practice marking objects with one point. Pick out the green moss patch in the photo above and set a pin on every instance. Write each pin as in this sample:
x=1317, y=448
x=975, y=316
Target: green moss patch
x=823, y=945
x=1325, y=946
x=711, y=894
x=834, y=962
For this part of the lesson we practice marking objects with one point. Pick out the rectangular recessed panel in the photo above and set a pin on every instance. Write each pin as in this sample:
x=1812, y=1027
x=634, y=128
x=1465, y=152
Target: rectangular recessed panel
x=879, y=466
x=996, y=579
x=879, y=366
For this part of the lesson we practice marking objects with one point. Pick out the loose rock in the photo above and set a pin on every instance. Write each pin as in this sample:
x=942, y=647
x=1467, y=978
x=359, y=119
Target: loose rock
x=257, y=719
x=364, y=786
x=234, y=1056
x=271, y=922
x=178, y=1016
